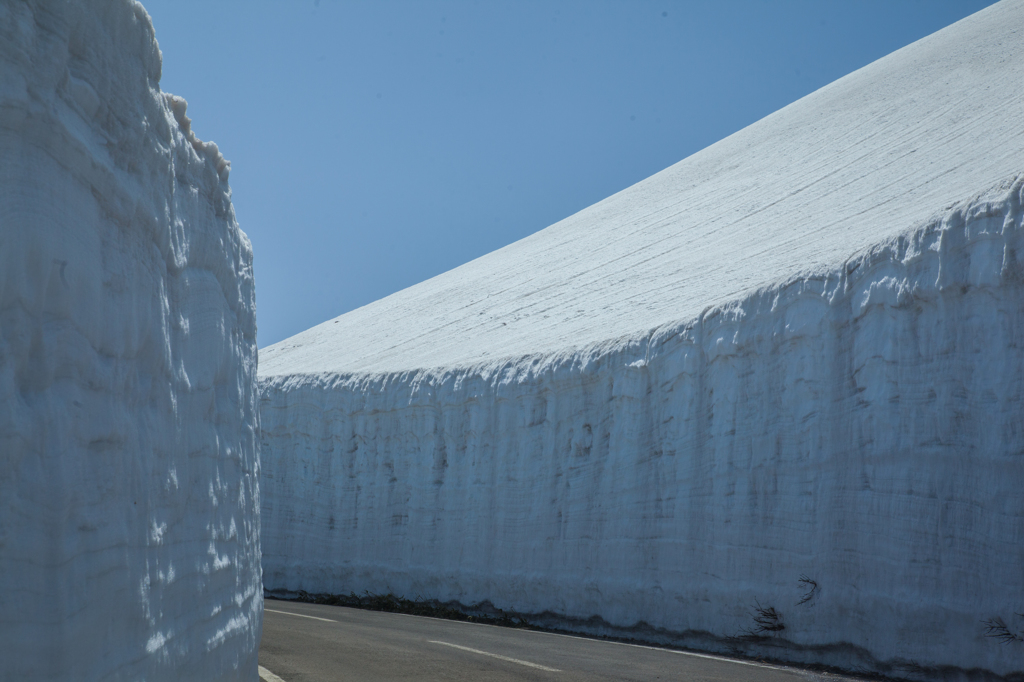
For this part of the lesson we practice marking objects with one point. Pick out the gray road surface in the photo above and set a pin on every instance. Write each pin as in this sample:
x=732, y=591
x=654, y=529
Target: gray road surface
x=314, y=643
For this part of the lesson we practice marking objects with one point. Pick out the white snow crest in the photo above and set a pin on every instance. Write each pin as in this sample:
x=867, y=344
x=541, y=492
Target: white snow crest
x=209, y=150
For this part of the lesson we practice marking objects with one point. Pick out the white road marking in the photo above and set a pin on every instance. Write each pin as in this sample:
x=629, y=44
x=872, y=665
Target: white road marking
x=289, y=613
x=710, y=656
x=694, y=654
x=266, y=675
x=498, y=656
x=677, y=652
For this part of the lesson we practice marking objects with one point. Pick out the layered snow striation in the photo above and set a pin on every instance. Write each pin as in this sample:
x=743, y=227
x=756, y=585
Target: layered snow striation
x=785, y=374
x=129, y=502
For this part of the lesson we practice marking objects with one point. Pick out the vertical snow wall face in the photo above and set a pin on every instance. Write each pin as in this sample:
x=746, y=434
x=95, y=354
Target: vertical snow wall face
x=847, y=449
x=129, y=506
x=784, y=373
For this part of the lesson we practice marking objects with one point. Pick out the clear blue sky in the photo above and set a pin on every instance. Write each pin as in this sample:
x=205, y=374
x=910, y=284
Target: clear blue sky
x=377, y=144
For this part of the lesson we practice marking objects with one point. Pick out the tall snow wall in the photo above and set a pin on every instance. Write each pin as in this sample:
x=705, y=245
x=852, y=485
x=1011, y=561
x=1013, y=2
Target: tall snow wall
x=863, y=430
x=129, y=503
x=785, y=374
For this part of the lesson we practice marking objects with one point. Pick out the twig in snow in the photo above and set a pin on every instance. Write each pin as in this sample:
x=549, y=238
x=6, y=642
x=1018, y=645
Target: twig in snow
x=998, y=629
x=811, y=587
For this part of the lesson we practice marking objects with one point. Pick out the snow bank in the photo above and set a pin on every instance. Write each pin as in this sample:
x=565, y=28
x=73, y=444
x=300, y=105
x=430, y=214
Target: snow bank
x=129, y=507
x=794, y=355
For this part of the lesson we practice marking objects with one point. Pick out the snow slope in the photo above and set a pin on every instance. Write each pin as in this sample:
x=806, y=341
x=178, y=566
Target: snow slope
x=794, y=354
x=129, y=503
x=857, y=162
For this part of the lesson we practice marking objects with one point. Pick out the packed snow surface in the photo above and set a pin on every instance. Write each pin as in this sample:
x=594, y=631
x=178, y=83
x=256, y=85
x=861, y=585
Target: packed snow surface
x=785, y=373
x=129, y=504
x=853, y=164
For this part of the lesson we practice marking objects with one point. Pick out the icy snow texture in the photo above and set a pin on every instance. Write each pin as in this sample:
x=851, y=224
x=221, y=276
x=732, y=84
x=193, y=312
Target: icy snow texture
x=795, y=353
x=129, y=504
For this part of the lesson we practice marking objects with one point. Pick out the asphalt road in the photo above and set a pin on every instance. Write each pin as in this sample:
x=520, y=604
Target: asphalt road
x=315, y=643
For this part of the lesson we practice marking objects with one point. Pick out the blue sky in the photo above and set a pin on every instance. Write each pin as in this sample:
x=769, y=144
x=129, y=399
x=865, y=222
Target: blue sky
x=377, y=144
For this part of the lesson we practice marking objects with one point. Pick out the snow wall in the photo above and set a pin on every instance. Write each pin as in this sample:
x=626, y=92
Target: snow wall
x=786, y=371
x=129, y=503
x=863, y=430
